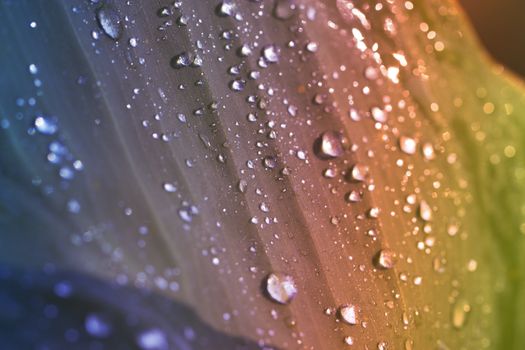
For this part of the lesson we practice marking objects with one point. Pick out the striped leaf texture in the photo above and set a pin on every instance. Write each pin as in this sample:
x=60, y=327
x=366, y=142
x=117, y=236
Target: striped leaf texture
x=198, y=174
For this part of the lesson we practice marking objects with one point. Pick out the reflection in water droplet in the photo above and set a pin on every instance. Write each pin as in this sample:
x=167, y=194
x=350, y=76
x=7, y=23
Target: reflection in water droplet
x=281, y=288
x=109, y=20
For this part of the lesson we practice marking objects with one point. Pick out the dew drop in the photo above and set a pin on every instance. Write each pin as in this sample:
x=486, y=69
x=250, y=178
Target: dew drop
x=349, y=340
x=281, y=288
x=271, y=54
x=385, y=259
x=237, y=85
x=46, y=125
x=460, y=310
x=378, y=114
x=407, y=145
x=169, y=187
x=152, y=339
x=353, y=196
x=284, y=9
x=329, y=145
x=359, y=172
x=428, y=151
x=109, y=20
x=225, y=9
x=348, y=314
x=97, y=326
x=425, y=212
x=181, y=60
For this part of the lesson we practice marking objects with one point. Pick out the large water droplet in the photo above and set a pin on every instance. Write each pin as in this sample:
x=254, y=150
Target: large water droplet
x=46, y=125
x=271, y=54
x=329, y=145
x=348, y=314
x=109, y=20
x=359, y=172
x=385, y=259
x=407, y=145
x=281, y=288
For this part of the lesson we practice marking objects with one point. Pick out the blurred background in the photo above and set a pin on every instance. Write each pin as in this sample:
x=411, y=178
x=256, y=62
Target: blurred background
x=501, y=27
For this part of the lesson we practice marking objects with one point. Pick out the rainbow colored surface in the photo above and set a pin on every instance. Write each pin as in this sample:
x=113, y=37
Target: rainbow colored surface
x=244, y=174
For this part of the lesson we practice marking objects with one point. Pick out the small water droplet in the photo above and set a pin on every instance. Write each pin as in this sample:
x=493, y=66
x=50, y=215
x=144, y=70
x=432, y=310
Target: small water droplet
x=152, y=339
x=271, y=54
x=349, y=340
x=385, y=259
x=46, y=125
x=109, y=20
x=425, y=212
x=281, y=288
x=330, y=145
x=460, y=310
x=407, y=145
x=237, y=85
x=181, y=60
x=378, y=114
x=359, y=172
x=97, y=326
x=225, y=9
x=348, y=314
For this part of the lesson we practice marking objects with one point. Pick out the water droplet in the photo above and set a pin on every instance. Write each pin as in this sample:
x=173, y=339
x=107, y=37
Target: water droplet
x=284, y=9
x=181, y=60
x=97, y=326
x=46, y=125
x=109, y=20
x=270, y=162
x=225, y=9
x=169, y=187
x=378, y=114
x=312, y=47
x=271, y=54
x=329, y=145
x=348, y=314
x=407, y=145
x=281, y=288
x=382, y=346
x=152, y=339
x=359, y=172
x=237, y=85
x=353, y=196
x=349, y=340
x=428, y=151
x=385, y=259
x=425, y=212
x=460, y=310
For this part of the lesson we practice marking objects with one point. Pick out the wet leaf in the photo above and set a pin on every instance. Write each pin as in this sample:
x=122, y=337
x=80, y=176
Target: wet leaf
x=172, y=157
